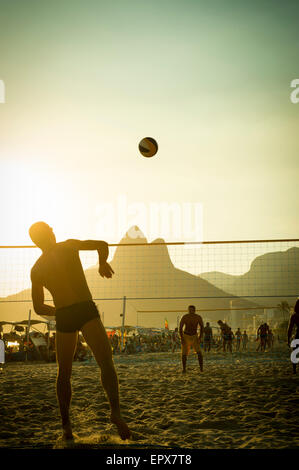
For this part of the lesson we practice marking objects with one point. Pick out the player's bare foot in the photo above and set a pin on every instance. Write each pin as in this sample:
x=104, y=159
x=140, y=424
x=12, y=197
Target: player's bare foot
x=67, y=433
x=122, y=427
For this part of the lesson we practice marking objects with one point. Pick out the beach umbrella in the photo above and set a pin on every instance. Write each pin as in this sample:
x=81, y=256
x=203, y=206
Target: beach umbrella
x=25, y=322
x=111, y=333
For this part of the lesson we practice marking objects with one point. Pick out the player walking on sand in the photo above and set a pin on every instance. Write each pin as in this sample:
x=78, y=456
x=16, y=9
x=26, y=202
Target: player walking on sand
x=60, y=271
x=207, y=337
x=227, y=336
x=189, y=336
x=244, y=340
x=262, y=333
x=238, y=335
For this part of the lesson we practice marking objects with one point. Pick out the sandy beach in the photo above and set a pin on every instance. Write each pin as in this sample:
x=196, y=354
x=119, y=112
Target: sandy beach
x=243, y=400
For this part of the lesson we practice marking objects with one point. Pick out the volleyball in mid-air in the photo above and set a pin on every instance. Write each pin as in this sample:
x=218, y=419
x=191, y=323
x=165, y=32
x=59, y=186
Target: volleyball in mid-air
x=148, y=147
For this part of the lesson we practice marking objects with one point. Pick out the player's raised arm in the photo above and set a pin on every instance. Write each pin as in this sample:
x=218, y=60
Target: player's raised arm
x=201, y=326
x=182, y=323
x=102, y=248
x=258, y=332
x=99, y=245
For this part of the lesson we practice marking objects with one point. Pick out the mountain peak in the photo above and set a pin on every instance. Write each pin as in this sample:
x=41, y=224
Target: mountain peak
x=133, y=235
x=158, y=240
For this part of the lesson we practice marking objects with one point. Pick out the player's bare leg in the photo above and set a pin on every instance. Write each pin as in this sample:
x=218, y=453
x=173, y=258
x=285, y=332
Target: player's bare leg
x=184, y=362
x=65, y=349
x=200, y=360
x=96, y=338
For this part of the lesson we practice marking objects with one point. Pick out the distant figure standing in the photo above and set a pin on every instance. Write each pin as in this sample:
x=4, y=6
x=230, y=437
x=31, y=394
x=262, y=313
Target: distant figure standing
x=207, y=337
x=244, y=340
x=227, y=335
x=262, y=334
x=231, y=337
x=175, y=342
x=270, y=339
x=238, y=335
x=189, y=338
x=60, y=271
x=294, y=321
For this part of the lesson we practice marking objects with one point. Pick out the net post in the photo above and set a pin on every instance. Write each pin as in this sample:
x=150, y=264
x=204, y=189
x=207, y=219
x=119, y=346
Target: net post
x=123, y=321
x=28, y=329
x=48, y=342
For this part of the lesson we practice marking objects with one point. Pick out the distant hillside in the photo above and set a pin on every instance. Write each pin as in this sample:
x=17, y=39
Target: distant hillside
x=142, y=271
x=270, y=274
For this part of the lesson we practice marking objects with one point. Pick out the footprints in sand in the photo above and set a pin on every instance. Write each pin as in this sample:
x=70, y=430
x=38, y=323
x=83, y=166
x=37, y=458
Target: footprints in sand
x=227, y=407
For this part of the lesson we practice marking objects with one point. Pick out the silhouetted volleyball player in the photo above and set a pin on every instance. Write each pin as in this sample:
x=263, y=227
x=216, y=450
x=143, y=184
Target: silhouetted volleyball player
x=60, y=271
x=189, y=338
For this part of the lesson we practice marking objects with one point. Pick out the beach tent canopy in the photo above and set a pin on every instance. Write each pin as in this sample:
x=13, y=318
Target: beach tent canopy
x=23, y=322
x=126, y=327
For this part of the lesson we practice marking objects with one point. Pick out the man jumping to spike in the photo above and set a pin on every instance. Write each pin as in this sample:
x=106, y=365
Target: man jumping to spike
x=189, y=337
x=60, y=271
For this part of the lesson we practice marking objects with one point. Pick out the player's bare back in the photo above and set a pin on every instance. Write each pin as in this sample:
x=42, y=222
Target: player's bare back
x=59, y=270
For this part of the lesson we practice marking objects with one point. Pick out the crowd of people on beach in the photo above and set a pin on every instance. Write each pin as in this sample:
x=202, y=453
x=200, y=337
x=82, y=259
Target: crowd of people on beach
x=41, y=346
x=265, y=338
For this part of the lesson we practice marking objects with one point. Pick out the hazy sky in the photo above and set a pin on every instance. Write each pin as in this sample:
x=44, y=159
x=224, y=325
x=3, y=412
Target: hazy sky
x=209, y=80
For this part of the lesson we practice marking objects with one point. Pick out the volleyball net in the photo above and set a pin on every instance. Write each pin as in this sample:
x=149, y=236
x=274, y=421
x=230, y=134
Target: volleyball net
x=223, y=279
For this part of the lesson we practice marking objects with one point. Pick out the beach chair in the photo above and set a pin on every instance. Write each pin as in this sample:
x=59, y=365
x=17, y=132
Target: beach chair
x=40, y=344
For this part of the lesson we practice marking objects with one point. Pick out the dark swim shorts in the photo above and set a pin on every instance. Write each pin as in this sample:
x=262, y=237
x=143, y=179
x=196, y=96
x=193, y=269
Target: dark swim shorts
x=73, y=317
x=227, y=337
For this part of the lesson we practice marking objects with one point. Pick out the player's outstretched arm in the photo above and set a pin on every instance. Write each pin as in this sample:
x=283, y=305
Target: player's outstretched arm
x=258, y=332
x=201, y=328
x=98, y=245
x=102, y=248
x=182, y=323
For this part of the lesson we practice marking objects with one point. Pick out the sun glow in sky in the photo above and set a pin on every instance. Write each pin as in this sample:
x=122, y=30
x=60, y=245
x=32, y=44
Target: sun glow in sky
x=29, y=195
